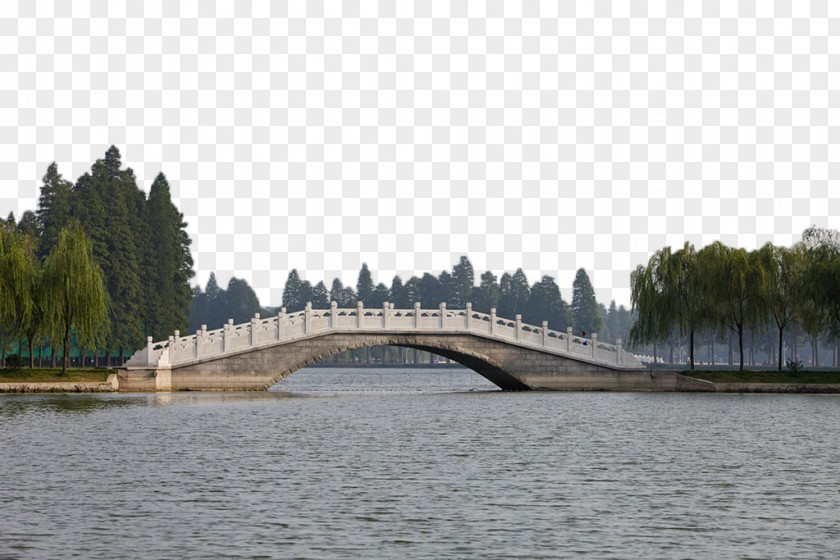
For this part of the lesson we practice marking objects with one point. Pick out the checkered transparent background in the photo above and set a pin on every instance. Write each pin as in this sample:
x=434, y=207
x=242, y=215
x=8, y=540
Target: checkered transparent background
x=548, y=135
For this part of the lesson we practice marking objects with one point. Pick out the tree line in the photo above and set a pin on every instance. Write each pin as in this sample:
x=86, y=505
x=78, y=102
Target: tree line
x=102, y=228
x=511, y=295
x=765, y=293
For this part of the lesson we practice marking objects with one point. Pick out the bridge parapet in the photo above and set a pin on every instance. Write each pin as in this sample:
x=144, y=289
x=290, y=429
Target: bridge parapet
x=286, y=327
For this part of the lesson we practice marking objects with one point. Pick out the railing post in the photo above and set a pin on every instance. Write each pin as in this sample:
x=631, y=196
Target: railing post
x=281, y=318
x=417, y=312
x=618, y=351
x=569, y=340
x=149, y=345
x=199, y=339
x=307, y=316
x=545, y=333
x=333, y=313
x=228, y=329
x=171, y=350
x=360, y=309
x=469, y=316
x=443, y=314
x=386, y=315
x=493, y=320
x=518, y=327
x=254, y=329
x=594, y=344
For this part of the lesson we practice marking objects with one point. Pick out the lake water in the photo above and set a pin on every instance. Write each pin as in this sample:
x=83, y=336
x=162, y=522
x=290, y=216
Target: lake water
x=418, y=464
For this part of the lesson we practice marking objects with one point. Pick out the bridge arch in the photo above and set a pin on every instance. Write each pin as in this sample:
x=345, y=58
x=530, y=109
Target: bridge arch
x=483, y=365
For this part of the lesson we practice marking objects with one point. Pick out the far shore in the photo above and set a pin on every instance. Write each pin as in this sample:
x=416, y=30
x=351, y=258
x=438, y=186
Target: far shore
x=90, y=380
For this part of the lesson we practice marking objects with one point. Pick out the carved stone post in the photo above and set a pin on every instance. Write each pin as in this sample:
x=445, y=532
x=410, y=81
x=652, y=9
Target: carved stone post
x=443, y=315
x=518, y=327
x=386, y=315
x=469, y=316
x=545, y=333
x=149, y=345
x=417, y=312
x=569, y=340
x=333, y=313
x=594, y=342
x=254, y=329
x=281, y=318
x=200, y=335
x=307, y=317
x=360, y=310
x=228, y=330
x=618, y=351
x=171, y=349
x=493, y=320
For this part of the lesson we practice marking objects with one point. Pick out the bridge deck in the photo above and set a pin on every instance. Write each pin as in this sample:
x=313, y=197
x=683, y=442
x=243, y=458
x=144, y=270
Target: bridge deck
x=285, y=327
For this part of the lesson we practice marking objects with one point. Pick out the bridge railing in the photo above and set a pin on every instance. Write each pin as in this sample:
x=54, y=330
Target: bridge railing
x=289, y=326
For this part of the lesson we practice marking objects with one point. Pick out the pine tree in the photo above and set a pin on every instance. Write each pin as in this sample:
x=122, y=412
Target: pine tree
x=430, y=291
x=53, y=208
x=292, y=297
x=241, y=301
x=463, y=281
x=379, y=296
x=364, y=286
x=398, y=294
x=546, y=304
x=584, y=305
x=447, y=289
x=488, y=293
x=320, y=296
x=505, y=308
x=167, y=266
x=520, y=292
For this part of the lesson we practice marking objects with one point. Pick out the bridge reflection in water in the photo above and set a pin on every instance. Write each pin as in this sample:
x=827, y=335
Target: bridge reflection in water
x=510, y=353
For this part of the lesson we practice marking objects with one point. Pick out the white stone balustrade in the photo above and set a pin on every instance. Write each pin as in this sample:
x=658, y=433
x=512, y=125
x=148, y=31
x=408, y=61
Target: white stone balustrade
x=285, y=327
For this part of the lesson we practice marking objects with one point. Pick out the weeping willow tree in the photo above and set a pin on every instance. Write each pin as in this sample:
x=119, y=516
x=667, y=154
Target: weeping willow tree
x=17, y=276
x=73, y=291
x=648, y=293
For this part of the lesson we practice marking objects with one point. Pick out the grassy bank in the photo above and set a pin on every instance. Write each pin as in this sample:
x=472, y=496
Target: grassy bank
x=771, y=376
x=49, y=375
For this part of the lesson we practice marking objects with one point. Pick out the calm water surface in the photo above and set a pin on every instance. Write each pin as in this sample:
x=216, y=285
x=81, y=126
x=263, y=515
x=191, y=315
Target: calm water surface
x=419, y=464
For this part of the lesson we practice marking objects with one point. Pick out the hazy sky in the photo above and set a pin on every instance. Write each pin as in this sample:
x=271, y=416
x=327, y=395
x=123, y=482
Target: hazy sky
x=549, y=136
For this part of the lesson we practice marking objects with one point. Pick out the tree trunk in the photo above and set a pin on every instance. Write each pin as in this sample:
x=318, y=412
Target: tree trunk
x=40, y=355
x=52, y=356
x=66, y=357
x=691, y=349
x=741, y=346
x=729, y=341
x=31, y=352
x=713, y=350
x=816, y=346
x=671, y=354
x=781, y=342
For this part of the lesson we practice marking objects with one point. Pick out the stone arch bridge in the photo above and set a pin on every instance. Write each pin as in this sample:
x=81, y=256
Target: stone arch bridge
x=513, y=355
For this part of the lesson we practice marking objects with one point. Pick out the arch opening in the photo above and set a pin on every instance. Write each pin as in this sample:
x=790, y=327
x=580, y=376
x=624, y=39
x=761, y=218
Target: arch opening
x=479, y=364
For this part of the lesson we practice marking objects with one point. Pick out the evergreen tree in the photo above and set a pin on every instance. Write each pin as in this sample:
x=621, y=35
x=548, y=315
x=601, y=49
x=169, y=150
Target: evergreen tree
x=28, y=225
x=463, y=281
x=584, y=305
x=506, y=306
x=412, y=291
x=520, y=292
x=398, y=295
x=167, y=266
x=320, y=296
x=306, y=290
x=292, y=298
x=364, y=286
x=105, y=203
x=379, y=296
x=612, y=323
x=488, y=293
x=447, y=289
x=241, y=301
x=546, y=304
x=430, y=291
x=337, y=293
